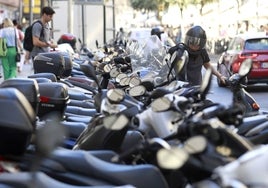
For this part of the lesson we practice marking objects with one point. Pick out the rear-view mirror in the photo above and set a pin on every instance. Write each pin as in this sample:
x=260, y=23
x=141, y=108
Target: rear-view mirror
x=134, y=81
x=172, y=159
x=161, y=104
x=107, y=68
x=206, y=82
x=114, y=72
x=124, y=81
x=115, y=95
x=245, y=67
x=196, y=144
x=137, y=91
x=115, y=122
x=180, y=58
x=120, y=76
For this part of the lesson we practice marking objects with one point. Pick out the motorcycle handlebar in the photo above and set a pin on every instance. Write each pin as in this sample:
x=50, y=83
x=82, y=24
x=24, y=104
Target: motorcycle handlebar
x=127, y=153
x=140, y=147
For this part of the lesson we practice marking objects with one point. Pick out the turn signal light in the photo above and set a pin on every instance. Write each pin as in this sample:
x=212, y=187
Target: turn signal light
x=255, y=106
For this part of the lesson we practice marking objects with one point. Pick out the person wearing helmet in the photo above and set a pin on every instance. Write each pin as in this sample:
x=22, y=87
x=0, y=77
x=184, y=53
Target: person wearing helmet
x=162, y=35
x=194, y=43
x=157, y=31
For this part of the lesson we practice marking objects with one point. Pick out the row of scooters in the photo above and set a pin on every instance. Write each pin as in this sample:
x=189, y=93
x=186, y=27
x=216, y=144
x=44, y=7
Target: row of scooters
x=101, y=126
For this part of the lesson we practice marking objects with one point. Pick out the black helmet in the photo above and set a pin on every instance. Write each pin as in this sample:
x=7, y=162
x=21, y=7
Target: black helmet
x=196, y=36
x=157, y=31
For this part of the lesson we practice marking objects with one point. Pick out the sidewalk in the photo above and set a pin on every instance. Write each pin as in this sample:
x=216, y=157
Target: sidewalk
x=26, y=71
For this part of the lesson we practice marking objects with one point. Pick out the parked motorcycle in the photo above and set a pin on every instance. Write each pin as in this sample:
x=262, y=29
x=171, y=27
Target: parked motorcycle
x=241, y=97
x=179, y=122
x=240, y=172
x=26, y=161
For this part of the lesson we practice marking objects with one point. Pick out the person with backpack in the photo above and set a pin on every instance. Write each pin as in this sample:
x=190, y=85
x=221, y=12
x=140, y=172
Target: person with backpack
x=41, y=33
x=11, y=35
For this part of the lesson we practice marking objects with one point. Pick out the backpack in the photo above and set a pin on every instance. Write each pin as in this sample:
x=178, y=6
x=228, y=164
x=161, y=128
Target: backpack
x=28, y=37
x=3, y=47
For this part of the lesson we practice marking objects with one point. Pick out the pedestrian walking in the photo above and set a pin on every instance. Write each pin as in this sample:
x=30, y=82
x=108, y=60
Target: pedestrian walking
x=120, y=37
x=21, y=37
x=9, y=63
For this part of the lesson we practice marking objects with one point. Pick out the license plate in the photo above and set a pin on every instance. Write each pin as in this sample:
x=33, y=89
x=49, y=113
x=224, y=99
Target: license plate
x=264, y=65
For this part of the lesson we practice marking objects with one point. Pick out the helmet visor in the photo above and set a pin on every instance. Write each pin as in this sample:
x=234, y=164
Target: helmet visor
x=195, y=41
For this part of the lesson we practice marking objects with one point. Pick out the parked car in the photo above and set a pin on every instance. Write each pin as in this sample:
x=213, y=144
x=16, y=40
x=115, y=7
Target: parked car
x=254, y=46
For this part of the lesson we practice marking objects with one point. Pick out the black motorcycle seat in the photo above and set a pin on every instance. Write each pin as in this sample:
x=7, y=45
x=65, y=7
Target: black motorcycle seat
x=84, y=163
x=74, y=129
x=257, y=129
x=79, y=96
x=76, y=72
x=78, y=118
x=83, y=103
x=41, y=180
x=84, y=86
x=105, y=155
x=251, y=122
x=79, y=61
x=82, y=80
x=80, y=111
x=261, y=138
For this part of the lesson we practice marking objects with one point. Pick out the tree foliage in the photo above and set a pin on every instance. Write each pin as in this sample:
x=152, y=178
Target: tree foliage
x=144, y=4
x=153, y=5
x=184, y=3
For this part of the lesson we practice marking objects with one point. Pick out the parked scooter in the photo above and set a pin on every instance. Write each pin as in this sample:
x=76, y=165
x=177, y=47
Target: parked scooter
x=24, y=160
x=241, y=97
x=116, y=101
x=240, y=173
x=254, y=124
x=83, y=168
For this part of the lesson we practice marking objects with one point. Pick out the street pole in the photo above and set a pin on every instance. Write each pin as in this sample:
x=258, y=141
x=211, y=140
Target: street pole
x=20, y=11
x=83, y=25
x=104, y=23
x=70, y=16
x=31, y=11
x=113, y=19
x=257, y=12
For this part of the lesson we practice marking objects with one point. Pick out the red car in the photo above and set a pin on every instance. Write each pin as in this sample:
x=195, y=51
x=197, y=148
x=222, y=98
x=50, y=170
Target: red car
x=254, y=46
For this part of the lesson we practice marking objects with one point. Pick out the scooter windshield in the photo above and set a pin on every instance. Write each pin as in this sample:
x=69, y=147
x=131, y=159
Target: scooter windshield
x=148, y=58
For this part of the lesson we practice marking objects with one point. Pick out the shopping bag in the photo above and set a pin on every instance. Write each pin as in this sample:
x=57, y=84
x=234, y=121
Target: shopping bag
x=3, y=47
x=17, y=57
